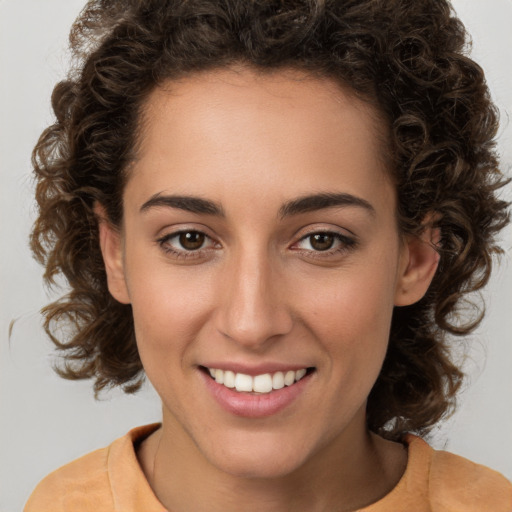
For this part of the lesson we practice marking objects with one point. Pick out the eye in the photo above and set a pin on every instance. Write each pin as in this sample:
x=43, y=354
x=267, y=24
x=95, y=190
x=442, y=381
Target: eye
x=324, y=242
x=186, y=243
x=191, y=240
x=320, y=241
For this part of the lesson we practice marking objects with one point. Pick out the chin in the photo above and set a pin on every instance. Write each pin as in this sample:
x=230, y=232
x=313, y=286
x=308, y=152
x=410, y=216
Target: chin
x=258, y=467
x=258, y=458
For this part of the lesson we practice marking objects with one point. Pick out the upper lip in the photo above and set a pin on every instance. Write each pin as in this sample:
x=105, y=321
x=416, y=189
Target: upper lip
x=254, y=369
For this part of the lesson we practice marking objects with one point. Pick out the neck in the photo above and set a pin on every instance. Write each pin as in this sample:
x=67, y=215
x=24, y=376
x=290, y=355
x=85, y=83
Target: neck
x=351, y=472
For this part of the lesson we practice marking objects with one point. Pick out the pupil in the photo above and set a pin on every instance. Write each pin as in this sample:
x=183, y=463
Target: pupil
x=191, y=240
x=322, y=241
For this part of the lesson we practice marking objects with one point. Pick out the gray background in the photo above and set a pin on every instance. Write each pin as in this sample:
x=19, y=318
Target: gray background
x=46, y=421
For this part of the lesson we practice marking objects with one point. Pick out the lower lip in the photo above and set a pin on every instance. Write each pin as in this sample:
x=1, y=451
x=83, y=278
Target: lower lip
x=250, y=405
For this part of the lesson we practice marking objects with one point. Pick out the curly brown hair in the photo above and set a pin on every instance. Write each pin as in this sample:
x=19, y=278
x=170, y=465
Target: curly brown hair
x=407, y=59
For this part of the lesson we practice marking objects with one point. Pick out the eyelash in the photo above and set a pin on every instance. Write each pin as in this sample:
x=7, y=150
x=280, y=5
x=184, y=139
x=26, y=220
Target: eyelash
x=183, y=253
x=341, y=244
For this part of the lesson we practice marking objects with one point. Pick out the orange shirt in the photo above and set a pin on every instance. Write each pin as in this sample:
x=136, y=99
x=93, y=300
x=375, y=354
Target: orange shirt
x=111, y=479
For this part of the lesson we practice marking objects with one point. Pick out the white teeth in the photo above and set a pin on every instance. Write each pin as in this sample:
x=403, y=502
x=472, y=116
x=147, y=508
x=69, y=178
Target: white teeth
x=278, y=380
x=243, y=382
x=263, y=383
x=289, y=378
x=229, y=379
x=300, y=374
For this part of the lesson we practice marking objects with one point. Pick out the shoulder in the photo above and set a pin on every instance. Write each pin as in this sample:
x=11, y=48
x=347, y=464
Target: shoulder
x=79, y=485
x=97, y=482
x=457, y=484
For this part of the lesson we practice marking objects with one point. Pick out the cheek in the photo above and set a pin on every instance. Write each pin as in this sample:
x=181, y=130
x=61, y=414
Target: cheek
x=350, y=314
x=352, y=302
x=355, y=332
x=169, y=310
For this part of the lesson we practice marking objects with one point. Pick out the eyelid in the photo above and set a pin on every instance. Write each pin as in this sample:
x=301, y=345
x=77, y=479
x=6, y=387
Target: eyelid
x=184, y=227
x=335, y=230
x=163, y=242
x=175, y=234
x=345, y=242
x=338, y=236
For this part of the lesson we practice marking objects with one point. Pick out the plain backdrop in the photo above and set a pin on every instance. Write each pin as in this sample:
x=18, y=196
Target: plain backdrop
x=46, y=421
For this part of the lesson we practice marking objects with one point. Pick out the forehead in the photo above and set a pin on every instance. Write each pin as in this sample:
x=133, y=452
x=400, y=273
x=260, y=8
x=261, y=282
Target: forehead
x=284, y=129
x=262, y=92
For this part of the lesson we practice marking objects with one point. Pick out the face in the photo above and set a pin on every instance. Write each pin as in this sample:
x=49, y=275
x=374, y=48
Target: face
x=259, y=250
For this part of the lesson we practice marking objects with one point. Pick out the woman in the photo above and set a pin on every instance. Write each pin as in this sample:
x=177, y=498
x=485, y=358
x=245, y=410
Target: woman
x=275, y=210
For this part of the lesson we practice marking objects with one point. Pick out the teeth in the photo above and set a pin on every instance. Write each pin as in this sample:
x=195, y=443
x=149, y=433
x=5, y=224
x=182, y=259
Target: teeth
x=264, y=383
x=289, y=378
x=219, y=376
x=229, y=379
x=278, y=380
x=300, y=374
x=243, y=382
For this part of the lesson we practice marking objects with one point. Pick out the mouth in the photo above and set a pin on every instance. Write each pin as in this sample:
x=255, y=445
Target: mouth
x=257, y=384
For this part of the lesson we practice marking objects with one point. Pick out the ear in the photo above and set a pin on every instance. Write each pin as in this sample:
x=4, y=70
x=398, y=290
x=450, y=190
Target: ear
x=418, y=265
x=112, y=252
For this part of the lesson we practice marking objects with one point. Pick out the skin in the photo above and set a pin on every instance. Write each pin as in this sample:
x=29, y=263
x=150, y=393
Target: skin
x=258, y=291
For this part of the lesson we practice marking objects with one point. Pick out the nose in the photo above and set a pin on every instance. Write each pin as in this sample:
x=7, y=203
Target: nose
x=253, y=309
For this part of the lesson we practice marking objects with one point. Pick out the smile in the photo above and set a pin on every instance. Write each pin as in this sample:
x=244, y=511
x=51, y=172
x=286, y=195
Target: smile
x=264, y=383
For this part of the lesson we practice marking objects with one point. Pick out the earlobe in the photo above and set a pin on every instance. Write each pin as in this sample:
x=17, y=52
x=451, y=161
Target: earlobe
x=111, y=250
x=420, y=260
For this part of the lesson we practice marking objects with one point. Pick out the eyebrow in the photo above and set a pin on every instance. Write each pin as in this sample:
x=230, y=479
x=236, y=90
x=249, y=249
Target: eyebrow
x=297, y=206
x=187, y=203
x=320, y=201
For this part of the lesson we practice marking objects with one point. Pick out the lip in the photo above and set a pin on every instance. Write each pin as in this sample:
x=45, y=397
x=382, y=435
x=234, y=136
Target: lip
x=250, y=405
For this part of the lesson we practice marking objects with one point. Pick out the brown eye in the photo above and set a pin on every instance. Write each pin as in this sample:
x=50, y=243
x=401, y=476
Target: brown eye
x=325, y=244
x=192, y=245
x=192, y=240
x=322, y=241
